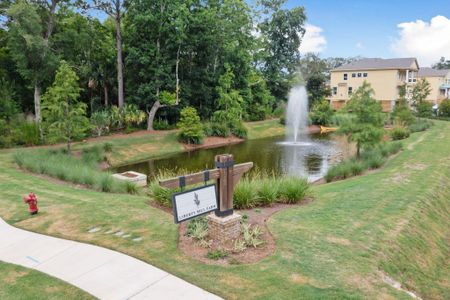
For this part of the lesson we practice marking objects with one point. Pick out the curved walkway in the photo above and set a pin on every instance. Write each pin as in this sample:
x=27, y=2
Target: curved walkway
x=104, y=273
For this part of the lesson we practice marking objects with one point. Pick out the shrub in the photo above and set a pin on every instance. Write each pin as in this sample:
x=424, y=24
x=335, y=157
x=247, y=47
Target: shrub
x=424, y=109
x=191, y=128
x=104, y=182
x=207, y=129
x=130, y=187
x=403, y=115
x=239, y=130
x=279, y=111
x=292, y=189
x=27, y=133
x=356, y=167
x=217, y=254
x=107, y=147
x=220, y=129
x=267, y=191
x=321, y=113
x=340, y=119
x=444, y=108
x=420, y=125
x=245, y=195
x=399, y=133
x=100, y=121
x=283, y=120
x=197, y=228
x=162, y=195
x=252, y=235
x=374, y=161
x=163, y=125
x=392, y=148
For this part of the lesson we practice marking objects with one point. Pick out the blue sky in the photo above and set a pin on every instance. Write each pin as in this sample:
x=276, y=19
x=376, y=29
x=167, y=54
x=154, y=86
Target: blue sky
x=370, y=27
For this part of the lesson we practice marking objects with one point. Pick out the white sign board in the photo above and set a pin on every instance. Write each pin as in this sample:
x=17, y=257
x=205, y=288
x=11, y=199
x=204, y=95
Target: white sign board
x=195, y=202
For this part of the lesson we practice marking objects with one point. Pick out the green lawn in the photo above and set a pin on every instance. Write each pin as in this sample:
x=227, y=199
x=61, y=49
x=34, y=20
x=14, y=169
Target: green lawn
x=335, y=247
x=22, y=283
x=262, y=129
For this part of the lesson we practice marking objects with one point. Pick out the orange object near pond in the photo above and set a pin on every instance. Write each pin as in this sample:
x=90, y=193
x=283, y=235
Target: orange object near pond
x=324, y=129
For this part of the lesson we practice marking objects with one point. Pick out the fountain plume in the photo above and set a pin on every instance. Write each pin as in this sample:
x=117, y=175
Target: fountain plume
x=297, y=115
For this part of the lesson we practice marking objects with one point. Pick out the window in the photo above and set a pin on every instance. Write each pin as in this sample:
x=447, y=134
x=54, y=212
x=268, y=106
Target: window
x=350, y=90
x=365, y=75
x=334, y=90
x=345, y=76
x=353, y=75
x=359, y=74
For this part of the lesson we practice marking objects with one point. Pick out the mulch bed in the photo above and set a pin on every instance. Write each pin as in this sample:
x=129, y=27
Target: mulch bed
x=258, y=216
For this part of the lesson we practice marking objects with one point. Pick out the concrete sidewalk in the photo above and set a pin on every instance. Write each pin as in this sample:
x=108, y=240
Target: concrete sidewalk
x=104, y=273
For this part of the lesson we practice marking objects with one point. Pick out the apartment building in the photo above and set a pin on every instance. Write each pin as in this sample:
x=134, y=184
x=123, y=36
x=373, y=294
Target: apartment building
x=439, y=81
x=384, y=75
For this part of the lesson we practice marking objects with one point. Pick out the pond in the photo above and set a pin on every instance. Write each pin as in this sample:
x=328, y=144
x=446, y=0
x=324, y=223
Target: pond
x=272, y=155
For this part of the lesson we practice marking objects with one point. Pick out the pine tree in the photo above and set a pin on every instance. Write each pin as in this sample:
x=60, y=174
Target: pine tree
x=64, y=116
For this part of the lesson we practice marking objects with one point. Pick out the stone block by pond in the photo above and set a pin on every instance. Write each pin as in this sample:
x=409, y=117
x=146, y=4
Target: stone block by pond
x=138, y=178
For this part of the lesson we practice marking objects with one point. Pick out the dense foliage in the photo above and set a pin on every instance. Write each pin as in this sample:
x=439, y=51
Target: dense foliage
x=229, y=60
x=321, y=113
x=191, y=127
x=64, y=115
x=444, y=108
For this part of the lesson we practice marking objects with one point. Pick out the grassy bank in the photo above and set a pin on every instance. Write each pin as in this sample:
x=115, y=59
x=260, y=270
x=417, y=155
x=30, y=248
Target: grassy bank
x=22, y=283
x=146, y=145
x=333, y=247
x=263, y=129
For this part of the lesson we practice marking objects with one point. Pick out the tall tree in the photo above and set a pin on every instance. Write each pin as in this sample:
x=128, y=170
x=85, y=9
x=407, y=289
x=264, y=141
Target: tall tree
x=64, y=115
x=281, y=31
x=156, y=32
x=29, y=48
x=420, y=92
x=115, y=9
x=88, y=46
x=317, y=88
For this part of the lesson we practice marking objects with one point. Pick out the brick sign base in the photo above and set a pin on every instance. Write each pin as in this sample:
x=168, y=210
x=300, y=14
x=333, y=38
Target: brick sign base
x=223, y=229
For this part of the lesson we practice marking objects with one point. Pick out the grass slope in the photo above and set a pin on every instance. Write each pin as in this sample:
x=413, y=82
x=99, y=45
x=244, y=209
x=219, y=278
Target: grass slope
x=334, y=247
x=22, y=283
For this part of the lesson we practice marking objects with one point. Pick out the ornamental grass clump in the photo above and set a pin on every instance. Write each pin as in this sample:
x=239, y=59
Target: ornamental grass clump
x=245, y=194
x=58, y=163
x=399, y=133
x=267, y=191
x=292, y=189
x=197, y=228
x=161, y=194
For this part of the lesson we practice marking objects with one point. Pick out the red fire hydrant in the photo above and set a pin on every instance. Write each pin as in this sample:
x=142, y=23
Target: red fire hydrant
x=31, y=200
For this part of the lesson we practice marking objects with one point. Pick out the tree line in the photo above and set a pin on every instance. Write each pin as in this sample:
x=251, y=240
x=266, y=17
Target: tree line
x=212, y=55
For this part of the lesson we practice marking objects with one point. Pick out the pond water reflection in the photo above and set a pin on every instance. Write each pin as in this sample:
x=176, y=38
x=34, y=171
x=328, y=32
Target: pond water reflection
x=269, y=155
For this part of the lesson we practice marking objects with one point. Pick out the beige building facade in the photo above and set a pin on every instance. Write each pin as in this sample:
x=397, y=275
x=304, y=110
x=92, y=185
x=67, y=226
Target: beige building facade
x=386, y=76
x=439, y=81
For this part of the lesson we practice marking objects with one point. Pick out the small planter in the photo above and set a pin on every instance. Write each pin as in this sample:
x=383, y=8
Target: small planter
x=138, y=178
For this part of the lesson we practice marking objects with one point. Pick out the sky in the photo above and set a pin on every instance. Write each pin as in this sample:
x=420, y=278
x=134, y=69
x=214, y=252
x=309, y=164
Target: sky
x=377, y=28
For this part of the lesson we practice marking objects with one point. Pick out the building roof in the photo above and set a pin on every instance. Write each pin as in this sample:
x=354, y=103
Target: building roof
x=379, y=64
x=429, y=72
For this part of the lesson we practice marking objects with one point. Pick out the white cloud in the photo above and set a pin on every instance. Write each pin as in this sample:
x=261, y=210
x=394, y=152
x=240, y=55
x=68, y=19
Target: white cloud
x=313, y=40
x=427, y=41
x=359, y=45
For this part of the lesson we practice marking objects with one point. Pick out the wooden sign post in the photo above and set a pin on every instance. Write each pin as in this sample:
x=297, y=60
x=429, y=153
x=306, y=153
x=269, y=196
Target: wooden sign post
x=225, y=224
